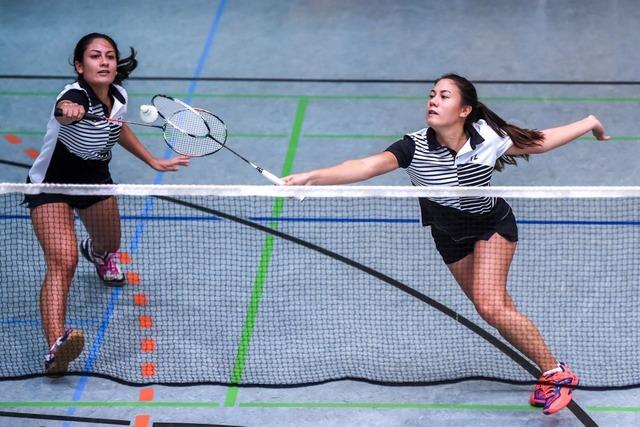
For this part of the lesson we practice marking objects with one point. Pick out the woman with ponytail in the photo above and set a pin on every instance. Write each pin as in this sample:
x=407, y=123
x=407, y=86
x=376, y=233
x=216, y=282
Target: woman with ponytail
x=78, y=151
x=476, y=236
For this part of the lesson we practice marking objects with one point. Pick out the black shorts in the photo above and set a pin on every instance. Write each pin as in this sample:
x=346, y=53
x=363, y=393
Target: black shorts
x=76, y=202
x=454, y=250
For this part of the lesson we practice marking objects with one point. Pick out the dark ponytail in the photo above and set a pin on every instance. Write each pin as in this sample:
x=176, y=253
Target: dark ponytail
x=521, y=137
x=124, y=66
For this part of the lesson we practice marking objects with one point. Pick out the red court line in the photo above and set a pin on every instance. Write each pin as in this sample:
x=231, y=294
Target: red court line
x=140, y=299
x=124, y=258
x=142, y=421
x=147, y=345
x=12, y=139
x=31, y=153
x=133, y=278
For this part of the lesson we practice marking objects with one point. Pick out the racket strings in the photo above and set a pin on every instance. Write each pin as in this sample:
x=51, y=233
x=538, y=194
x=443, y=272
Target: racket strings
x=187, y=133
x=180, y=115
x=166, y=106
x=217, y=128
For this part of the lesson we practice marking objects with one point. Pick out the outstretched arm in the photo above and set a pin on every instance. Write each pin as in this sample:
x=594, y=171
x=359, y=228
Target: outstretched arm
x=129, y=141
x=561, y=135
x=347, y=172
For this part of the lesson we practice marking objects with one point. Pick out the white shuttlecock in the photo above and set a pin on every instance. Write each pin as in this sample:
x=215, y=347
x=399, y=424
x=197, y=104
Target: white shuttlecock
x=148, y=113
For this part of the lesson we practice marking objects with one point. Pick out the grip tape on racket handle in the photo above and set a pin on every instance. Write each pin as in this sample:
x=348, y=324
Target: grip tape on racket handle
x=58, y=113
x=277, y=181
x=271, y=177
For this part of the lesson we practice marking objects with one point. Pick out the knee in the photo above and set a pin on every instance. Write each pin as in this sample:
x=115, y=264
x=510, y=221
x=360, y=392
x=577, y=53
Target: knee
x=63, y=263
x=493, y=310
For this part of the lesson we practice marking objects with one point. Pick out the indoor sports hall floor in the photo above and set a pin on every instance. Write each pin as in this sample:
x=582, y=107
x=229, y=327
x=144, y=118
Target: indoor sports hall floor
x=290, y=126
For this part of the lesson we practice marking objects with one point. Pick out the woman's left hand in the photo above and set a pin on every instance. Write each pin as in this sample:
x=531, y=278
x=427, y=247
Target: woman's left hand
x=170, y=165
x=598, y=130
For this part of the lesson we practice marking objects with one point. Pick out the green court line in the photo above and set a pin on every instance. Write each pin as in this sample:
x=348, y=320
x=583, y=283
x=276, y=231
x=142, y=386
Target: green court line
x=309, y=405
x=102, y=404
x=386, y=405
x=267, y=250
x=337, y=136
x=351, y=136
x=570, y=99
x=434, y=406
x=157, y=134
x=249, y=323
x=346, y=136
x=586, y=99
x=23, y=132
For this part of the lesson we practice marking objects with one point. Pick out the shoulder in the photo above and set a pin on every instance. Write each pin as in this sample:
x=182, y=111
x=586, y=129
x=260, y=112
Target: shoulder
x=73, y=88
x=487, y=133
x=75, y=93
x=417, y=136
x=120, y=92
x=404, y=150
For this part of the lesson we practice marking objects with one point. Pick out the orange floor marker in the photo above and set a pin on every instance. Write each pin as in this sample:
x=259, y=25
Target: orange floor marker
x=140, y=299
x=133, y=278
x=146, y=395
x=124, y=258
x=13, y=139
x=148, y=345
x=145, y=322
x=31, y=153
x=148, y=369
x=141, y=421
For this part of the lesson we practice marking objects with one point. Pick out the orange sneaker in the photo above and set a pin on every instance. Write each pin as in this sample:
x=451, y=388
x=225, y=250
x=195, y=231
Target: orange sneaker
x=557, y=389
x=537, y=397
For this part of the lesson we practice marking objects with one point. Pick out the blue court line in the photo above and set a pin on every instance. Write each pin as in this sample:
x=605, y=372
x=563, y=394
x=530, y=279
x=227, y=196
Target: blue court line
x=267, y=219
x=140, y=228
x=38, y=322
x=574, y=222
x=205, y=51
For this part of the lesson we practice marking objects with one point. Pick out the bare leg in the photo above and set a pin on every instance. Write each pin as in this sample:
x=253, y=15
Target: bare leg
x=53, y=225
x=483, y=277
x=102, y=222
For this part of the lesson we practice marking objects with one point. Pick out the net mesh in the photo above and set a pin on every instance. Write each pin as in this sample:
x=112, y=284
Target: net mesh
x=244, y=285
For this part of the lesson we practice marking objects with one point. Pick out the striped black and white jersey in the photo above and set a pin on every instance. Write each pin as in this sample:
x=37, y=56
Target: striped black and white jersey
x=80, y=152
x=430, y=164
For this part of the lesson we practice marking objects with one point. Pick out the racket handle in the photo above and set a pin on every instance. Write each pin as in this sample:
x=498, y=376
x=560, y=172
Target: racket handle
x=277, y=181
x=271, y=177
x=58, y=113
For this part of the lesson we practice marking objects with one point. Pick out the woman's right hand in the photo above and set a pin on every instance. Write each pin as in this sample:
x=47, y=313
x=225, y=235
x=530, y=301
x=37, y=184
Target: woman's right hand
x=71, y=112
x=297, y=179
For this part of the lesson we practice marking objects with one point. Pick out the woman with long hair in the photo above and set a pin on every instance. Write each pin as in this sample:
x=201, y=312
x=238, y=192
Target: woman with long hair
x=476, y=236
x=77, y=151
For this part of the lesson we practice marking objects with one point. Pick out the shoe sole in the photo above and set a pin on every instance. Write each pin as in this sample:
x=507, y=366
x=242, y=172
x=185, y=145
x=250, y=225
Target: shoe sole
x=537, y=403
x=110, y=283
x=67, y=353
x=114, y=283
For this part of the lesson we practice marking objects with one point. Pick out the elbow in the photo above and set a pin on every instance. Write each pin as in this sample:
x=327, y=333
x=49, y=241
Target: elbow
x=539, y=149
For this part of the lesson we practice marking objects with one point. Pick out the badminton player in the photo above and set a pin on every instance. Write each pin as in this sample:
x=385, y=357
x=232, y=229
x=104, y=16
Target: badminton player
x=463, y=144
x=77, y=151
